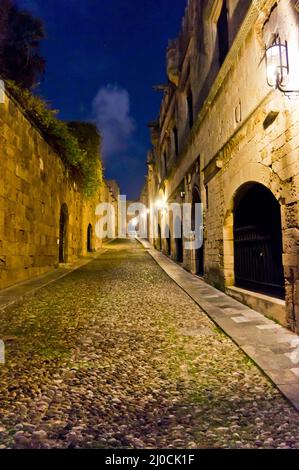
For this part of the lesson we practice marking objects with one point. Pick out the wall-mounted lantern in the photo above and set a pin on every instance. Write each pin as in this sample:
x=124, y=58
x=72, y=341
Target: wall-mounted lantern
x=161, y=205
x=277, y=66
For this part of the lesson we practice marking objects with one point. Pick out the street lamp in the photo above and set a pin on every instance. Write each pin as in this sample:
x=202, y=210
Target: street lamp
x=134, y=223
x=161, y=205
x=277, y=66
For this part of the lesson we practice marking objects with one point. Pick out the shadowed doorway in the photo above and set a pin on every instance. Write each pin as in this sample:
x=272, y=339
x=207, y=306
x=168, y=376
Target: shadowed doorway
x=89, y=238
x=178, y=240
x=199, y=255
x=63, y=233
x=258, y=241
x=168, y=241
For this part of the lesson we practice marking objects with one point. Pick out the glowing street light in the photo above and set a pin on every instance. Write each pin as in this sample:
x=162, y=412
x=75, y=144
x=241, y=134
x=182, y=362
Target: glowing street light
x=160, y=204
x=277, y=63
x=134, y=223
x=277, y=66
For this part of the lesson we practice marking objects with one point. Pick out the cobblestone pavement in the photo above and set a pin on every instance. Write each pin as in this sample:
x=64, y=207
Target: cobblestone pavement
x=117, y=355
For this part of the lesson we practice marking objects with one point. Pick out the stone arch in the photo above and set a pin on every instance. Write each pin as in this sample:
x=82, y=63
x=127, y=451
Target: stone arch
x=63, y=233
x=258, y=241
x=252, y=172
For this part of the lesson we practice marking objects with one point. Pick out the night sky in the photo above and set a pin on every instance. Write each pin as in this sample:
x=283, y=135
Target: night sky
x=103, y=58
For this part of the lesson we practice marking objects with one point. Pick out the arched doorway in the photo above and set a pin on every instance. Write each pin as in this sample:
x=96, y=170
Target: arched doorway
x=199, y=255
x=89, y=238
x=179, y=250
x=178, y=240
x=258, y=241
x=159, y=238
x=168, y=241
x=63, y=233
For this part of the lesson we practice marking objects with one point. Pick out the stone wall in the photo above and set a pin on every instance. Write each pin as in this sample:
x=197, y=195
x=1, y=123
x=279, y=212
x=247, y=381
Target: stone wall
x=243, y=132
x=34, y=184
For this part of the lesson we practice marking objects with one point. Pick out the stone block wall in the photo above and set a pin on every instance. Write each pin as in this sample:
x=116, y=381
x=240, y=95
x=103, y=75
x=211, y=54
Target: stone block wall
x=245, y=132
x=34, y=184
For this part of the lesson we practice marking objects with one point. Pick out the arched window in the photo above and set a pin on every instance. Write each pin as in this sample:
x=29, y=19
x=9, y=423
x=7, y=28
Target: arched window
x=222, y=33
x=190, y=107
x=176, y=140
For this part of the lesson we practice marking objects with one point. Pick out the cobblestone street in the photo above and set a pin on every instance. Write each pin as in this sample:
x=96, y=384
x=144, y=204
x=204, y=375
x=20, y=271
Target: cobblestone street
x=117, y=355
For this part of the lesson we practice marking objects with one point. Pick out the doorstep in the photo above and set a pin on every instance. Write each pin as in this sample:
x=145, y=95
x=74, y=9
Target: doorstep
x=273, y=348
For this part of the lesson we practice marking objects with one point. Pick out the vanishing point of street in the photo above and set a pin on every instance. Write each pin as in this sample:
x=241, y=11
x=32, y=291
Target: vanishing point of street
x=116, y=355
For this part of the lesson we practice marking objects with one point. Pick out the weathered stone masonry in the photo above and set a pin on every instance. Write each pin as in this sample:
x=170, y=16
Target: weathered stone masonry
x=34, y=186
x=236, y=132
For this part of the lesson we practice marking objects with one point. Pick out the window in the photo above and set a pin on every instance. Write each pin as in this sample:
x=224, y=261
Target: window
x=164, y=164
x=190, y=107
x=222, y=30
x=176, y=141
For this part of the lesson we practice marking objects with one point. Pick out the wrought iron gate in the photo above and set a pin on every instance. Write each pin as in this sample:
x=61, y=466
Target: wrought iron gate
x=258, y=263
x=258, y=241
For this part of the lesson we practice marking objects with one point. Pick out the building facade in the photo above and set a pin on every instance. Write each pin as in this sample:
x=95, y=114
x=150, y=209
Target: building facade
x=227, y=136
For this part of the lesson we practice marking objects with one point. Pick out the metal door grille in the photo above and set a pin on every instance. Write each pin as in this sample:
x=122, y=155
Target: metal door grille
x=258, y=261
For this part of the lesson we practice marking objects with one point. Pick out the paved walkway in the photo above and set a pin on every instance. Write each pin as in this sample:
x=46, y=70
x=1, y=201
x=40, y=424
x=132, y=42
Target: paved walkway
x=116, y=355
x=272, y=347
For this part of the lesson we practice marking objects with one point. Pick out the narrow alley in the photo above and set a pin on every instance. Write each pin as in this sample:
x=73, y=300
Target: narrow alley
x=116, y=355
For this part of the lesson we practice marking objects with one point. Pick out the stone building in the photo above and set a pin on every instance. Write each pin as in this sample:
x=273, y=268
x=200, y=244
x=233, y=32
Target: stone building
x=44, y=218
x=114, y=194
x=227, y=136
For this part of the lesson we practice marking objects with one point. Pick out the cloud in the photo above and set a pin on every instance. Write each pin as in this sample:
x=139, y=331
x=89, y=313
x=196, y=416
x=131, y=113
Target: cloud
x=111, y=112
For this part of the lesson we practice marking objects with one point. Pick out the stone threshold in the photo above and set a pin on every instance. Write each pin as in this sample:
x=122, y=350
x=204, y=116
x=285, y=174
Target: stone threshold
x=15, y=294
x=272, y=347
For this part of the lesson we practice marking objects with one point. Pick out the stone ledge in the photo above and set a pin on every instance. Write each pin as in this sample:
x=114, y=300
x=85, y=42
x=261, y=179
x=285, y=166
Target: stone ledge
x=271, y=307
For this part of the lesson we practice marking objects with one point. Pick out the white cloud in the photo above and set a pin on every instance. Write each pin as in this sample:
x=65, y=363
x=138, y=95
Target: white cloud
x=111, y=111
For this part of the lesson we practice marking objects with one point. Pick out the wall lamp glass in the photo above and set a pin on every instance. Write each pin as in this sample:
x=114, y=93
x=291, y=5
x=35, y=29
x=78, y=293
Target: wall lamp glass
x=161, y=204
x=277, y=66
